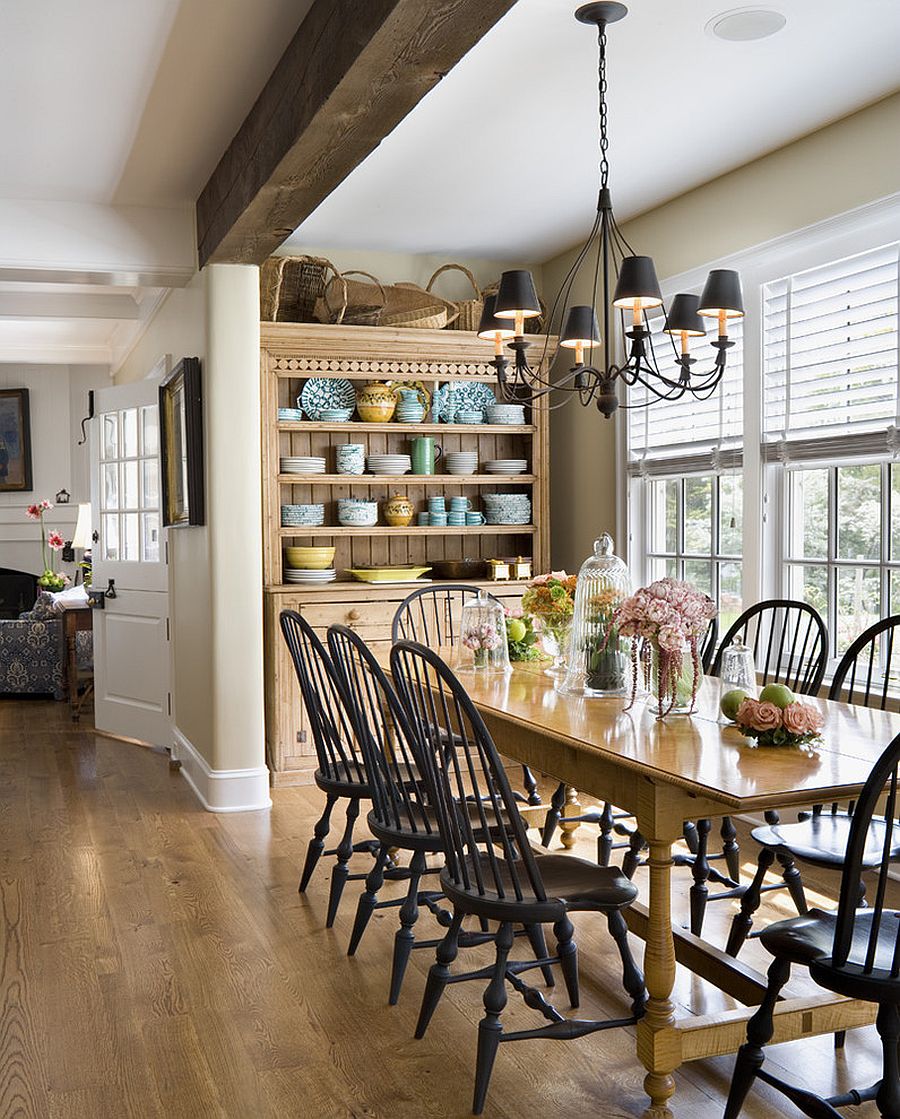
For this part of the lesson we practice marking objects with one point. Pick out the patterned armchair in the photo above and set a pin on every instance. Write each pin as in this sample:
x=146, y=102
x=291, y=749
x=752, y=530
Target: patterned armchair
x=32, y=649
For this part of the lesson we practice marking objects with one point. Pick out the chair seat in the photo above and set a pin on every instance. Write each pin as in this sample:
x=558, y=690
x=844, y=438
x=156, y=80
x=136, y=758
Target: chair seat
x=823, y=840
x=808, y=940
x=416, y=827
x=340, y=786
x=571, y=884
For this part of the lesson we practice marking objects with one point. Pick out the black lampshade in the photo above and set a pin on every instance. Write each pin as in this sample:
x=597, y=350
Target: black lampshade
x=490, y=326
x=637, y=283
x=517, y=295
x=722, y=292
x=581, y=326
x=683, y=317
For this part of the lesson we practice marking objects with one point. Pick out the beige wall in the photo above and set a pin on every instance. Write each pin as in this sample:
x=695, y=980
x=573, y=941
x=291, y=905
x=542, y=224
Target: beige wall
x=851, y=162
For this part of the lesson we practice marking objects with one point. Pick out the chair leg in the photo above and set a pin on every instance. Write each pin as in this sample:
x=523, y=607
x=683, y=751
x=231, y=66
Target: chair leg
x=531, y=786
x=700, y=889
x=369, y=898
x=730, y=849
x=742, y=921
x=317, y=843
x=404, y=938
x=632, y=979
x=759, y=1030
x=793, y=881
x=605, y=840
x=490, y=1028
x=690, y=836
x=340, y=871
x=564, y=931
x=539, y=947
x=888, y=1025
x=554, y=813
x=632, y=859
x=439, y=973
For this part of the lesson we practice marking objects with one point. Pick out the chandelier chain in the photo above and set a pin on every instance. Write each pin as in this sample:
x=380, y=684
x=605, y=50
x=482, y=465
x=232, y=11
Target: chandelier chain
x=604, y=139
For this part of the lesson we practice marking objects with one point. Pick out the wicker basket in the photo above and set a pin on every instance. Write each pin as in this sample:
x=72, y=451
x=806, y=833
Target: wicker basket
x=534, y=325
x=290, y=286
x=352, y=302
x=469, y=310
x=411, y=306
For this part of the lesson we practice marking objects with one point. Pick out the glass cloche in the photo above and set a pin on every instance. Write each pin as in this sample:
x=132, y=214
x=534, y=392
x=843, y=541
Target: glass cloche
x=599, y=659
x=482, y=645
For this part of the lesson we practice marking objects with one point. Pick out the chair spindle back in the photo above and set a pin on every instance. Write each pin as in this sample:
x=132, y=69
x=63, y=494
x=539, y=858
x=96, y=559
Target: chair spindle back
x=789, y=643
x=432, y=615
x=867, y=671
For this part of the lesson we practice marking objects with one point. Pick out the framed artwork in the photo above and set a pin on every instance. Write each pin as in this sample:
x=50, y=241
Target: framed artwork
x=15, y=441
x=181, y=445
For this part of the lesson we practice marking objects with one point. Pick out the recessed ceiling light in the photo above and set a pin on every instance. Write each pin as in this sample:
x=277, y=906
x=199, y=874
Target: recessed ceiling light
x=743, y=25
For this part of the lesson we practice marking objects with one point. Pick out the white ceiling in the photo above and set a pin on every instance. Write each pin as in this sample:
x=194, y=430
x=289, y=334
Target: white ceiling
x=499, y=160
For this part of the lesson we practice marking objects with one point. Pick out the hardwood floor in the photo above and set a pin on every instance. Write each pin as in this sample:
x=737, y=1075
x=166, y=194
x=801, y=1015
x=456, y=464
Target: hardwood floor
x=157, y=961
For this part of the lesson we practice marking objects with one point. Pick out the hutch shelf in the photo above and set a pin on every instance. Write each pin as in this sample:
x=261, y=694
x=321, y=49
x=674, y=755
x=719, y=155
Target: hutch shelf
x=290, y=354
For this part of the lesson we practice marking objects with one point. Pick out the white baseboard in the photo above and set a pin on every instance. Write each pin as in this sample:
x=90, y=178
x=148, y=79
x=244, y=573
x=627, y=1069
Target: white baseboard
x=221, y=790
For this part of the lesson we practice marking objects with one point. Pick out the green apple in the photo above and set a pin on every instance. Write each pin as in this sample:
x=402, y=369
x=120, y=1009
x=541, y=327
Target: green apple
x=778, y=694
x=731, y=701
x=516, y=629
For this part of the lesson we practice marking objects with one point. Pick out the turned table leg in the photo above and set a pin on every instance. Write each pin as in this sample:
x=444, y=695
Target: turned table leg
x=572, y=807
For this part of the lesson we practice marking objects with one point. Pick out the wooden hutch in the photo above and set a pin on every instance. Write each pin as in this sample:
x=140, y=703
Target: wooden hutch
x=293, y=352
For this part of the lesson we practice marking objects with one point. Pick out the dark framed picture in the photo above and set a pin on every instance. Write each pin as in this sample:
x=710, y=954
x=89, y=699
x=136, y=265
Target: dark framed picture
x=181, y=445
x=15, y=441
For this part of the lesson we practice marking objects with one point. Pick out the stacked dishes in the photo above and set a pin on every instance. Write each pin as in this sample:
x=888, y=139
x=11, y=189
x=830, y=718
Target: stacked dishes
x=302, y=464
x=298, y=515
x=506, y=414
x=309, y=566
x=357, y=512
x=461, y=462
x=410, y=410
x=290, y=415
x=335, y=415
x=389, y=464
x=310, y=578
x=505, y=466
x=507, y=509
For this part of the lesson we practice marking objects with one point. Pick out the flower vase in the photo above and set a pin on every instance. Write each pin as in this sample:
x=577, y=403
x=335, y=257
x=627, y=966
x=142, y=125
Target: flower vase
x=606, y=672
x=556, y=644
x=679, y=685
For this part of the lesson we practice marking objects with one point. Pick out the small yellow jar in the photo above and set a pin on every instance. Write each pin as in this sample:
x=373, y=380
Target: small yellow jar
x=398, y=510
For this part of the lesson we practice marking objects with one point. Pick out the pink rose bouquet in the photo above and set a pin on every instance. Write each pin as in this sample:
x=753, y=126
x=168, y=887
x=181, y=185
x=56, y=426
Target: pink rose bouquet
x=797, y=724
x=672, y=617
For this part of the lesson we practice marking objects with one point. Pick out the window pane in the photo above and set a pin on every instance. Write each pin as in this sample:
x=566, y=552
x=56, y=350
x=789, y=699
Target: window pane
x=110, y=496
x=150, y=537
x=130, y=536
x=671, y=515
x=150, y=496
x=663, y=512
x=859, y=512
x=130, y=485
x=895, y=592
x=895, y=511
x=808, y=519
x=731, y=512
x=698, y=515
x=130, y=433
x=150, y=430
x=858, y=602
x=810, y=584
x=110, y=441
x=110, y=530
x=699, y=574
x=729, y=594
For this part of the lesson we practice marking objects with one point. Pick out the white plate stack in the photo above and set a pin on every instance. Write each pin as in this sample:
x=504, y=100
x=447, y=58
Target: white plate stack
x=506, y=414
x=507, y=508
x=505, y=466
x=389, y=464
x=302, y=464
x=310, y=578
x=461, y=462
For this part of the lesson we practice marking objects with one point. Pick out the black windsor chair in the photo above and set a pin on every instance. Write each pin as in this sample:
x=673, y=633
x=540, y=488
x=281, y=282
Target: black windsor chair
x=864, y=676
x=491, y=871
x=853, y=952
x=401, y=817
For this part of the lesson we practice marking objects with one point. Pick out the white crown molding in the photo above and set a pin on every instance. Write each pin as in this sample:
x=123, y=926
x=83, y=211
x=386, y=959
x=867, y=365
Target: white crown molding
x=221, y=790
x=127, y=335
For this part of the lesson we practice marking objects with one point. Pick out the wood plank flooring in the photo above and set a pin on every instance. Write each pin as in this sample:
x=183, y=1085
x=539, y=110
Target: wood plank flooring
x=157, y=961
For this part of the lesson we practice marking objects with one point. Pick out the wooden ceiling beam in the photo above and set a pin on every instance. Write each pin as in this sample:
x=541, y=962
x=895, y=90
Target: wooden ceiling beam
x=349, y=76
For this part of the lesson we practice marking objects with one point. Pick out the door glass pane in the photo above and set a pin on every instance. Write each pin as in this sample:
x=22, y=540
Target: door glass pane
x=150, y=494
x=895, y=511
x=150, y=537
x=699, y=574
x=150, y=430
x=731, y=509
x=698, y=515
x=810, y=584
x=109, y=444
x=729, y=594
x=858, y=602
x=808, y=519
x=130, y=550
x=110, y=529
x=859, y=512
x=130, y=433
x=130, y=498
x=110, y=477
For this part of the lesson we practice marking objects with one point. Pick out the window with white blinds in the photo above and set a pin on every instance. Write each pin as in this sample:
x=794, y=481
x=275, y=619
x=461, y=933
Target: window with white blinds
x=830, y=358
x=687, y=434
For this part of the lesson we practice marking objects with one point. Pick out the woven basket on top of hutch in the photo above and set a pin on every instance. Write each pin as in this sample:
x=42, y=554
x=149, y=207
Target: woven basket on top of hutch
x=294, y=352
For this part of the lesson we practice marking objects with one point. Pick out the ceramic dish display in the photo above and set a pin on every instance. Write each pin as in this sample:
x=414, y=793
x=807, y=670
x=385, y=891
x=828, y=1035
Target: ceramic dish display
x=292, y=515
x=505, y=466
x=471, y=397
x=505, y=414
x=401, y=574
x=469, y=416
x=290, y=415
x=321, y=393
x=309, y=558
x=335, y=415
x=461, y=462
x=302, y=464
x=310, y=578
x=389, y=464
x=506, y=509
x=357, y=513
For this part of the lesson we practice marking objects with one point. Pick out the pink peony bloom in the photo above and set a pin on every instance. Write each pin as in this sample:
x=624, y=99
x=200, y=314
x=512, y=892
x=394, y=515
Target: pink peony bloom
x=55, y=541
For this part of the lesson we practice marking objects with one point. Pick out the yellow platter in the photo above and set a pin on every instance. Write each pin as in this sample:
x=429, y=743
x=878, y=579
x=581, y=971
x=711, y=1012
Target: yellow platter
x=387, y=574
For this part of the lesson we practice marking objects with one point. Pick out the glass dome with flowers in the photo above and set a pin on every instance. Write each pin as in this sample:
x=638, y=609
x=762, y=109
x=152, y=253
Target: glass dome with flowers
x=599, y=657
x=483, y=644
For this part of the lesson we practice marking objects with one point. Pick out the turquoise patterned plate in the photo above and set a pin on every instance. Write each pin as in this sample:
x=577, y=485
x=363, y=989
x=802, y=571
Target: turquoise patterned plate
x=450, y=398
x=323, y=392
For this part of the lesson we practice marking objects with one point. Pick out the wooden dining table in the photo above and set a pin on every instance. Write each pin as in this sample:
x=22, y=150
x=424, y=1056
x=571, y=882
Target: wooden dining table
x=666, y=772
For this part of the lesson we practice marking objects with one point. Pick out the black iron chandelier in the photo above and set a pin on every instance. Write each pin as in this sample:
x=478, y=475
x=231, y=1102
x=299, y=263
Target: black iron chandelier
x=635, y=290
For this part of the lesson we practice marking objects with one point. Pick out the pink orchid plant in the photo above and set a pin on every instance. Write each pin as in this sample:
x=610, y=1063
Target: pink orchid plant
x=51, y=580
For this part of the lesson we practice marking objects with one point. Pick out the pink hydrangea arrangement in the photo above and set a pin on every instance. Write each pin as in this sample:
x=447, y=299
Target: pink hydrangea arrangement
x=797, y=724
x=672, y=618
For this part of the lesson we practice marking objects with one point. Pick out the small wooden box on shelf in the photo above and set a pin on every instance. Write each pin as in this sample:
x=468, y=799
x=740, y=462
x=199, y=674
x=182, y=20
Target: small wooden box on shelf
x=292, y=353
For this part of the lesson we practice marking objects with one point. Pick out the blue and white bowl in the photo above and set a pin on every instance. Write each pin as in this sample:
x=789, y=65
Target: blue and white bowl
x=335, y=415
x=505, y=414
x=290, y=415
x=357, y=512
x=295, y=515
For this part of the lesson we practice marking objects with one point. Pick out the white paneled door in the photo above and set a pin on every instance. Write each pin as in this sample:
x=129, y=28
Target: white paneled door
x=131, y=644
